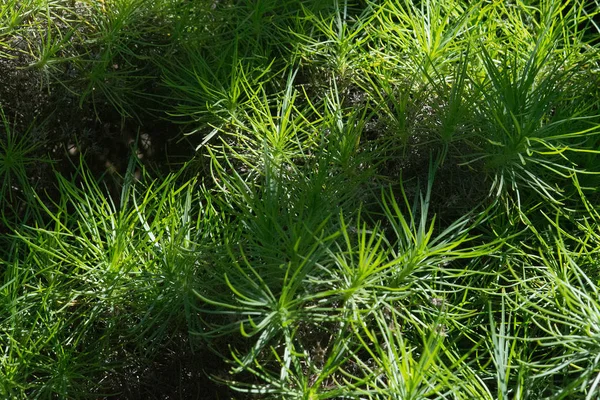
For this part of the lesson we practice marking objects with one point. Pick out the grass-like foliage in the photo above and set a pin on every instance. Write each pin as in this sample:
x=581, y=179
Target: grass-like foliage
x=392, y=199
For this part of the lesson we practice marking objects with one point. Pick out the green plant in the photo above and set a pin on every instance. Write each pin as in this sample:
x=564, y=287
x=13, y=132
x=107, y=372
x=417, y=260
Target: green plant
x=101, y=279
x=332, y=274
x=529, y=139
x=20, y=153
x=425, y=36
x=335, y=45
x=13, y=15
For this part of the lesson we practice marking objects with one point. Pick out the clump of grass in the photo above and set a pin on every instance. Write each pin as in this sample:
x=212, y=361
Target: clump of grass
x=100, y=279
x=20, y=153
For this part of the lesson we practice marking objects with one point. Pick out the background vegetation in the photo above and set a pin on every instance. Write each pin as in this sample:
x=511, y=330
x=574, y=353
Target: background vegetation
x=277, y=199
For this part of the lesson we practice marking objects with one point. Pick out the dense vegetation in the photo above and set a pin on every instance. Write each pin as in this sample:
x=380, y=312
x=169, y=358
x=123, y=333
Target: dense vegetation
x=386, y=199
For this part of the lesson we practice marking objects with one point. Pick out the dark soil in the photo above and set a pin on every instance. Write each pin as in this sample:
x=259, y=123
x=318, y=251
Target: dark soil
x=176, y=373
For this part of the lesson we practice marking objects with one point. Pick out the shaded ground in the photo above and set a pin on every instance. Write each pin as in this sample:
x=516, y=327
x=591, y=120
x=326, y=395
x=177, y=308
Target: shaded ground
x=177, y=373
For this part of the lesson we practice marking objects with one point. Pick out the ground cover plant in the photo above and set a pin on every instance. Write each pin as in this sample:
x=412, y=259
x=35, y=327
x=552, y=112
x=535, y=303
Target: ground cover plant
x=380, y=199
